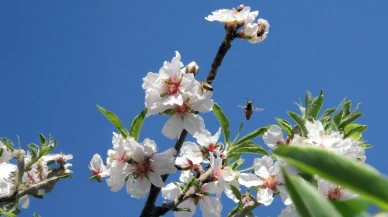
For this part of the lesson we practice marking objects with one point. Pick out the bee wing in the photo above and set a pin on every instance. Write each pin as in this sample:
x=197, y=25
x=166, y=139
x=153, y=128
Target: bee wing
x=241, y=106
x=258, y=109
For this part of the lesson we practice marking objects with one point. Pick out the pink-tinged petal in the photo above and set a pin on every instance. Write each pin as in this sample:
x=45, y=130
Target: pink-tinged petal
x=210, y=206
x=265, y=196
x=170, y=191
x=173, y=127
x=156, y=179
x=193, y=123
x=249, y=180
x=24, y=201
x=189, y=203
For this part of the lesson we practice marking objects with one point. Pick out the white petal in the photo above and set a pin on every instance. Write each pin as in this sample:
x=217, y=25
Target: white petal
x=164, y=163
x=170, y=191
x=210, y=206
x=189, y=203
x=249, y=180
x=140, y=188
x=193, y=123
x=265, y=196
x=173, y=127
x=156, y=179
x=273, y=136
x=24, y=201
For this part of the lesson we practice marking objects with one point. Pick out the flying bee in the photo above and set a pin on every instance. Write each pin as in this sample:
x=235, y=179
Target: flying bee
x=206, y=86
x=249, y=109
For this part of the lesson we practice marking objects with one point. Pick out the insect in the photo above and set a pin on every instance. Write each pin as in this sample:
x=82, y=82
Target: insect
x=249, y=109
x=206, y=86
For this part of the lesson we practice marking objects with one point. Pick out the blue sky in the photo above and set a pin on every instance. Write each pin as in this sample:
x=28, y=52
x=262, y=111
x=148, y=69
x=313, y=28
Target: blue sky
x=58, y=59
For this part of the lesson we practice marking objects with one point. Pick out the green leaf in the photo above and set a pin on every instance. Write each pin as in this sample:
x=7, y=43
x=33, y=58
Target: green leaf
x=285, y=125
x=253, y=134
x=335, y=121
x=42, y=140
x=8, y=143
x=224, y=122
x=236, y=164
x=366, y=146
x=36, y=215
x=357, y=107
x=346, y=108
x=114, y=120
x=351, y=207
x=34, y=150
x=236, y=192
x=239, y=131
x=235, y=210
x=359, y=178
x=308, y=100
x=307, y=199
x=48, y=149
x=300, y=122
x=137, y=123
x=317, y=105
x=7, y=214
x=328, y=112
x=249, y=147
x=350, y=129
x=349, y=119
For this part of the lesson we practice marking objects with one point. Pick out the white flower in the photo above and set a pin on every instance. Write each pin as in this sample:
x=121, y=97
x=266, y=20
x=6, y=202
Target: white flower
x=271, y=178
x=209, y=142
x=334, y=141
x=210, y=206
x=144, y=166
x=164, y=89
x=24, y=201
x=38, y=172
x=225, y=176
x=6, y=154
x=227, y=16
x=190, y=160
x=98, y=168
x=184, y=116
x=333, y=191
x=255, y=32
x=273, y=137
x=289, y=211
x=6, y=177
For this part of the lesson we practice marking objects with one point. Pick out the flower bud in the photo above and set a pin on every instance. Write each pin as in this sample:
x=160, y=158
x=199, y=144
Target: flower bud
x=192, y=68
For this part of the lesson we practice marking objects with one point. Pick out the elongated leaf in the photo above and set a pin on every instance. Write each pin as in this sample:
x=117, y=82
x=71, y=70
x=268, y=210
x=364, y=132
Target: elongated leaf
x=235, y=210
x=350, y=129
x=357, y=107
x=349, y=119
x=238, y=133
x=224, y=122
x=34, y=150
x=317, y=105
x=300, y=122
x=8, y=143
x=42, y=140
x=137, y=123
x=253, y=134
x=335, y=121
x=285, y=125
x=114, y=120
x=346, y=108
x=236, y=192
x=249, y=147
x=365, y=145
x=328, y=112
x=308, y=101
x=338, y=169
x=236, y=164
x=307, y=199
x=355, y=207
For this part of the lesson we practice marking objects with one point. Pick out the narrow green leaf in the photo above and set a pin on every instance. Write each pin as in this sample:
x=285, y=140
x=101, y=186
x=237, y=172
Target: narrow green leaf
x=346, y=108
x=366, y=146
x=34, y=150
x=238, y=133
x=253, y=134
x=224, y=122
x=249, y=147
x=335, y=121
x=349, y=119
x=317, y=105
x=351, y=129
x=307, y=199
x=308, y=100
x=285, y=125
x=354, y=207
x=236, y=164
x=235, y=210
x=349, y=174
x=42, y=140
x=137, y=123
x=114, y=120
x=236, y=192
x=357, y=107
x=327, y=113
x=8, y=143
x=300, y=122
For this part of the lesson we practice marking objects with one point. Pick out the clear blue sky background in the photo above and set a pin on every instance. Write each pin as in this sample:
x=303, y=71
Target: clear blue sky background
x=58, y=59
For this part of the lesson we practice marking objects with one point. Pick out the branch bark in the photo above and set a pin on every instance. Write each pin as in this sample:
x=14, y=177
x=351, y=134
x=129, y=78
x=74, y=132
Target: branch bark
x=150, y=210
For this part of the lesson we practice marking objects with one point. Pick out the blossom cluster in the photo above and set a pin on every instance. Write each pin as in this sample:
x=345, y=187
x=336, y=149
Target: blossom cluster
x=35, y=170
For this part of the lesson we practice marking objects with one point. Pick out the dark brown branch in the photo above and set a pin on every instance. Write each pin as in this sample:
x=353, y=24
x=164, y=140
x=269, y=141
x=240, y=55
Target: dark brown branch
x=149, y=209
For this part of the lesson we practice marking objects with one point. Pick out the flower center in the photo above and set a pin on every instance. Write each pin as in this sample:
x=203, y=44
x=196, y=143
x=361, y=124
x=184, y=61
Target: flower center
x=171, y=87
x=143, y=168
x=211, y=147
x=335, y=194
x=181, y=110
x=270, y=182
x=121, y=158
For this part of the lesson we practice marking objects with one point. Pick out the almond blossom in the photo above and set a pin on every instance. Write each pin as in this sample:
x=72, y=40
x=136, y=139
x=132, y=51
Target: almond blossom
x=227, y=15
x=139, y=165
x=98, y=168
x=333, y=191
x=255, y=32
